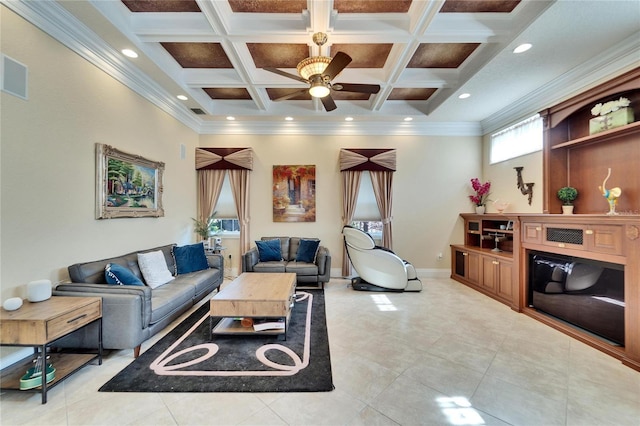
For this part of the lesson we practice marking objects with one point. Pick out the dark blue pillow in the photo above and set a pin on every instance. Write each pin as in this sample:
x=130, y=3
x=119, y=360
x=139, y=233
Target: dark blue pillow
x=190, y=258
x=119, y=275
x=307, y=251
x=269, y=250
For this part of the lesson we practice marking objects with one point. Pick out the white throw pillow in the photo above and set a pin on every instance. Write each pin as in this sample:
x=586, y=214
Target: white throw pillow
x=154, y=268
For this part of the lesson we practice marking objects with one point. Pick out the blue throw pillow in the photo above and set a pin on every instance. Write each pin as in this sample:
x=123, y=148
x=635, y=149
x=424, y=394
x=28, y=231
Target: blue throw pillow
x=307, y=251
x=269, y=250
x=190, y=258
x=119, y=275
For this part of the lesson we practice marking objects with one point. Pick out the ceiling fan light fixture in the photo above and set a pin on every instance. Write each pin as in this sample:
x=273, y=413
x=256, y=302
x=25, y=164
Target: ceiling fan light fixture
x=318, y=89
x=311, y=66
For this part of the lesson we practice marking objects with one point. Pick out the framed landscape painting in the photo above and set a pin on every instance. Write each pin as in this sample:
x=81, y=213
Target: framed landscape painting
x=127, y=185
x=294, y=193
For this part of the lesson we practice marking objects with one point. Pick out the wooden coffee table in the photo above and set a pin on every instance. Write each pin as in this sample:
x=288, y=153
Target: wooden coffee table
x=254, y=296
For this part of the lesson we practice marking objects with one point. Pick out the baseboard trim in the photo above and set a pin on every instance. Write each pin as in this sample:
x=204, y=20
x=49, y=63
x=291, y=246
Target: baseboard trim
x=422, y=273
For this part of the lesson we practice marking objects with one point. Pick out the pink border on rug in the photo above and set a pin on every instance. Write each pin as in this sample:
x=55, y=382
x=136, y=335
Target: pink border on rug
x=160, y=367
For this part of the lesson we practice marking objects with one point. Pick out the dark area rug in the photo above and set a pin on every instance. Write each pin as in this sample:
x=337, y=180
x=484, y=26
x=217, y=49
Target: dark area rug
x=185, y=360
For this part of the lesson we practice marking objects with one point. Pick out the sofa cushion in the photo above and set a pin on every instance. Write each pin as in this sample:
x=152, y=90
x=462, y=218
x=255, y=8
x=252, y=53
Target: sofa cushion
x=269, y=250
x=270, y=266
x=154, y=268
x=302, y=268
x=307, y=250
x=119, y=275
x=168, y=298
x=190, y=258
x=284, y=246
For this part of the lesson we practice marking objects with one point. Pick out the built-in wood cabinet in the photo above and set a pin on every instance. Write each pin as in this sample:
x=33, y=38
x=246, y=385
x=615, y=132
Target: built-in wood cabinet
x=485, y=261
x=573, y=157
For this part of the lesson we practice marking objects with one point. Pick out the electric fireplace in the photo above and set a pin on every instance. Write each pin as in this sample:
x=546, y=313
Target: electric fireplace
x=586, y=293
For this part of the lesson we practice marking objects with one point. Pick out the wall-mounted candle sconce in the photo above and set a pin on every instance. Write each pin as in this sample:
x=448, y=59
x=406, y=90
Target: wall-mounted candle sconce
x=525, y=188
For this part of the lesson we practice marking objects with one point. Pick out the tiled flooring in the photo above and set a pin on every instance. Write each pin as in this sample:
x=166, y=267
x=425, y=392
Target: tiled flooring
x=447, y=355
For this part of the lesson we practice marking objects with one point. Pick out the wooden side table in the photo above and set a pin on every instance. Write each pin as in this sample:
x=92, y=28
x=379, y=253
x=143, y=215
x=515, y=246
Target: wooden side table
x=41, y=324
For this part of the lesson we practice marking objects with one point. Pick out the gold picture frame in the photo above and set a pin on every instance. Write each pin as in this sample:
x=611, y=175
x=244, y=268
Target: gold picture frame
x=127, y=185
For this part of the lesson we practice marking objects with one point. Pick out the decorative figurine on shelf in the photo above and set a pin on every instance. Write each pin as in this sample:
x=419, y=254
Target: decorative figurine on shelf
x=611, y=195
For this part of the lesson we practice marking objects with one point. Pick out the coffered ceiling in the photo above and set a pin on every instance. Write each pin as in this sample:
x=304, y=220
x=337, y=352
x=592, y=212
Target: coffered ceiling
x=422, y=53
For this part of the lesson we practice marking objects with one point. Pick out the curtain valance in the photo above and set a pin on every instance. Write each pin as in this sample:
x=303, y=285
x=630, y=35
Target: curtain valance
x=355, y=159
x=224, y=159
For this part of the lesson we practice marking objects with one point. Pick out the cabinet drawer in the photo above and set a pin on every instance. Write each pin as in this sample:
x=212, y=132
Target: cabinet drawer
x=605, y=239
x=73, y=320
x=532, y=233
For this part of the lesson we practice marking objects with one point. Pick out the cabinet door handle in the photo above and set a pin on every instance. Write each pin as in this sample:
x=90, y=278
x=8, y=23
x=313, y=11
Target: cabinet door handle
x=538, y=228
x=465, y=254
x=561, y=245
x=495, y=262
x=589, y=231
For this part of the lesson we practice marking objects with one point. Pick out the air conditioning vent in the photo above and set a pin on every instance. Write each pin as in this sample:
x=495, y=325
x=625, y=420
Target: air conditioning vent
x=198, y=111
x=565, y=235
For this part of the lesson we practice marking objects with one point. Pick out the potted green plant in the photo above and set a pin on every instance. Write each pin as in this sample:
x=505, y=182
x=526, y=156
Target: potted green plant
x=205, y=228
x=567, y=195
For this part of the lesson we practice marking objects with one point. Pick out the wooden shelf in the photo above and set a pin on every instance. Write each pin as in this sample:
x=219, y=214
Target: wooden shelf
x=501, y=231
x=600, y=137
x=233, y=326
x=65, y=364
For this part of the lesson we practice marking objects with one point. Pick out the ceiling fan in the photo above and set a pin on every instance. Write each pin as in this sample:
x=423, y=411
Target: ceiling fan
x=318, y=71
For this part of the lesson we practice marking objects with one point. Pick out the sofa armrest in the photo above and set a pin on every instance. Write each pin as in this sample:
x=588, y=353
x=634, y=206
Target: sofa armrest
x=323, y=261
x=250, y=259
x=216, y=261
x=137, y=294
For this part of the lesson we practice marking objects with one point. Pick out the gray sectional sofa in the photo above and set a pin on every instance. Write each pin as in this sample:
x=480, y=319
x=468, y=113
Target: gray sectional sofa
x=308, y=274
x=133, y=313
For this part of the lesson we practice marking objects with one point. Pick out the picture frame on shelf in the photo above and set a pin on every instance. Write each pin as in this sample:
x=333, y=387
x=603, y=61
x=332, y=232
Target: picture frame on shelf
x=510, y=225
x=127, y=185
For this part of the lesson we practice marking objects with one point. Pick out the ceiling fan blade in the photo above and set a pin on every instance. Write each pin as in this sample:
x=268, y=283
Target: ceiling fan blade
x=355, y=87
x=286, y=74
x=328, y=103
x=292, y=95
x=337, y=64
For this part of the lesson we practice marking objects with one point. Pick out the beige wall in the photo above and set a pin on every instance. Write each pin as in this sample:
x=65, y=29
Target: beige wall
x=430, y=188
x=48, y=163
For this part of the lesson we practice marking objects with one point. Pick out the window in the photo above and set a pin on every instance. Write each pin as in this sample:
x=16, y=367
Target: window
x=367, y=216
x=519, y=139
x=226, y=220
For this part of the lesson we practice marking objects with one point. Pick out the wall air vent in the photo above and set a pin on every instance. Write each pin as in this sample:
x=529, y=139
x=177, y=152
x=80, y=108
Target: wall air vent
x=14, y=77
x=198, y=111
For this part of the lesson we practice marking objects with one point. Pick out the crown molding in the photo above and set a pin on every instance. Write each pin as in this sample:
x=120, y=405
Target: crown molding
x=347, y=128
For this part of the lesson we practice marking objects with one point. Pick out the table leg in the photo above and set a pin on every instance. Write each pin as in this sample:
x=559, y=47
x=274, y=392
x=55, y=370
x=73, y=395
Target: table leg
x=100, y=341
x=44, y=373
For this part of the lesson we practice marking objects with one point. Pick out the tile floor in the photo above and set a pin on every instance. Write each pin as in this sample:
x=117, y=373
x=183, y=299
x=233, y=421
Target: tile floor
x=446, y=356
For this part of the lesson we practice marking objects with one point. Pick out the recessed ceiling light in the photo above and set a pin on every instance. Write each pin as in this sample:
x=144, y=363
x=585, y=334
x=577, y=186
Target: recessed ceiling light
x=348, y=119
x=129, y=53
x=289, y=118
x=230, y=118
x=182, y=97
x=408, y=119
x=522, y=48
x=464, y=95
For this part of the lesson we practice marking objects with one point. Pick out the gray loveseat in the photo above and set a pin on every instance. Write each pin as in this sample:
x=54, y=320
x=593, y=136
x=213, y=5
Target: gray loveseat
x=313, y=274
x=131, y=314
